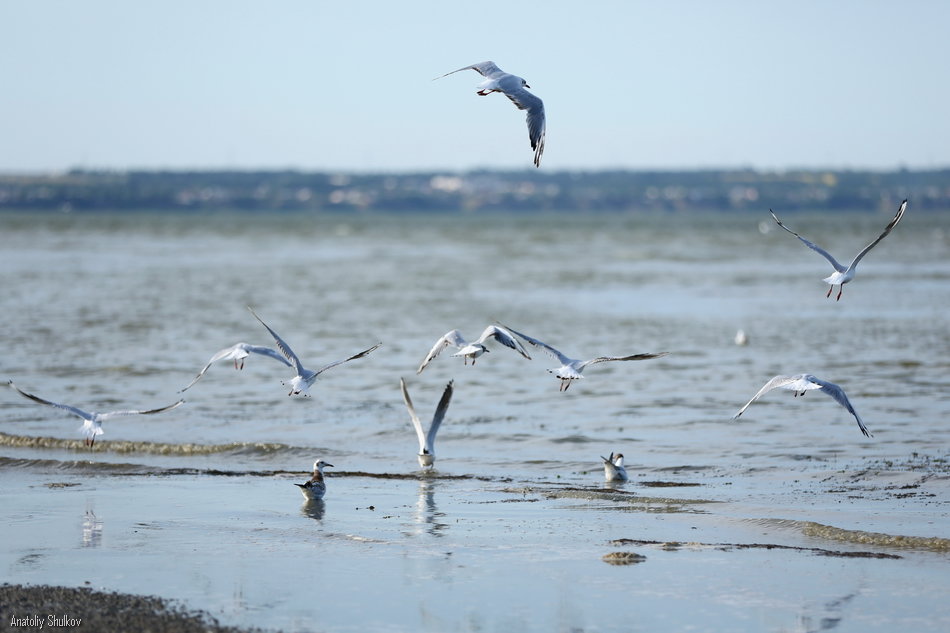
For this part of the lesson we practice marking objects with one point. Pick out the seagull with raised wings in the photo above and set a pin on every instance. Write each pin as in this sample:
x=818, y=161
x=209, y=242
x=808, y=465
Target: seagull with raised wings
x=801, y=384
x=426, y=454
x=843, y=274
x=513, y=87
x=304, y=379
x=92, y=420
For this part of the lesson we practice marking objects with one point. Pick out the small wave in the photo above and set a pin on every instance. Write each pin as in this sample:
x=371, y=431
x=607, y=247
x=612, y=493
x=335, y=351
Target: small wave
x=147, y=448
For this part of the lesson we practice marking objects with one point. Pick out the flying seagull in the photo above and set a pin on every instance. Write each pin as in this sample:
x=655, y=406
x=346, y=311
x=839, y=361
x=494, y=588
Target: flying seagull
x=843, y=274
x=238, y=353
x=92, y=421
x=571, y=368
x=800, y=383
x=613, y=468
x=315, y=488
x=474, y=349
x=426, y=454
x=305, y=378
x=497, y=80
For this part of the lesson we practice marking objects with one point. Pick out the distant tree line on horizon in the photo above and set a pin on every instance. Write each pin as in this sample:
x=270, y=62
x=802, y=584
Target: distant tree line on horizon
x=512, y=191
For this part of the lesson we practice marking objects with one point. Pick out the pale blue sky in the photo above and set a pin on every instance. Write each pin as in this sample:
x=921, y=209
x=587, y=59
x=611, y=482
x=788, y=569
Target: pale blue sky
x=347, y=85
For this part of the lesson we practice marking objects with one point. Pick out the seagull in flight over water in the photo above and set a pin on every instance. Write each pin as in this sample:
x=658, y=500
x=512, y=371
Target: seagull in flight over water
x=497, y=80
x=571, y=368
x=843, y=274
x=92, y=420
x=238, y=353
x=475, y=349
x=305, y=378
x=426, y=454
x=801, y=383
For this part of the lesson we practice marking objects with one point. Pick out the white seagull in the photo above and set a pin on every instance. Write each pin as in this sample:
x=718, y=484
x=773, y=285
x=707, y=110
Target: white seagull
x=843, y=274
x=474, y=349
x=426, y=454
x=92, y=421
x=613, y=468
x=316, y=487
x=238, y=353
x=571, y=368
x=497, y=80
x=800, y=383
x=305, y=378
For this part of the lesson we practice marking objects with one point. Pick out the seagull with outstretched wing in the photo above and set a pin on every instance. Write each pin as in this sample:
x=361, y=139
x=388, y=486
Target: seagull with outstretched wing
x=571, y=368
x=513, y=87
x=304, y=379
x=92, y=420
x=474, y=349
x=802, y=383
x=843, y=274
x=238, y=353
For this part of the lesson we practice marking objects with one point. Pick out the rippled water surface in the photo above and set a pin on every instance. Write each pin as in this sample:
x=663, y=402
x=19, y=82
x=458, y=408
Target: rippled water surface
x=120, y=311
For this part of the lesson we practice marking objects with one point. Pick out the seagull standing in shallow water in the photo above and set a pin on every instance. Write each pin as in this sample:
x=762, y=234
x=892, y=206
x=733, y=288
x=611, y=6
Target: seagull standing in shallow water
x=613, y=468
x=426, y=454
x=316, y=487
x=843, y=274
x=305, y=378
x=571, y=368
x=92, y=421
x=475, y=349
x=801, y=383
x=238, y=353
x=497, y=80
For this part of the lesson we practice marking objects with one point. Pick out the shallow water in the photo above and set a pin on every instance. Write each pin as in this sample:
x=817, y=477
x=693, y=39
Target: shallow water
x=121, y=311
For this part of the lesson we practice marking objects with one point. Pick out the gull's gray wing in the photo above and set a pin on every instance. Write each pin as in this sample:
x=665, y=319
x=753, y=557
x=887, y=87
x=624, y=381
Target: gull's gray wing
x=838, y=394
x=535, y=118
x=267, y=351
x=440, y=410
x=811, y=245
x=282, y=345
x=887, y=229
x=485, y=69
x=85, y=415
x=604, y=359
x=504, y=337
x=416, y=422
x=115, y=414
x=544, y=347
x=453, y=337
x=346, y=360
x=774, y=383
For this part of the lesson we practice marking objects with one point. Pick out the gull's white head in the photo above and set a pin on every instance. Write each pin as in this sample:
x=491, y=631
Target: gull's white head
x=319, y=465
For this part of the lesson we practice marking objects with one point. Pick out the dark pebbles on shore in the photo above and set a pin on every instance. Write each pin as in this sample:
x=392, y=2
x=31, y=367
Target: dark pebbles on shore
x=66, y=609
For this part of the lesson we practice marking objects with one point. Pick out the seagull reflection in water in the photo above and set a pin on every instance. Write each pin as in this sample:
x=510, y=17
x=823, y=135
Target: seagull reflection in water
x=428, y=519
x=313, y=508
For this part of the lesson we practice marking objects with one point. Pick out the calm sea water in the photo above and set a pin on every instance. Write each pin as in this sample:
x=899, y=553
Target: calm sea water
x=117, y=311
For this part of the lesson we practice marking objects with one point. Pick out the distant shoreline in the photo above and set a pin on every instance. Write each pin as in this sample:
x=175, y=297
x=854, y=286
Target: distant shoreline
x=476, y=191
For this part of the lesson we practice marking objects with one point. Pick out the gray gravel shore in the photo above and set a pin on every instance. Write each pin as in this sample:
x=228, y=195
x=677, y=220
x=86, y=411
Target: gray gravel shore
x=63, y=609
